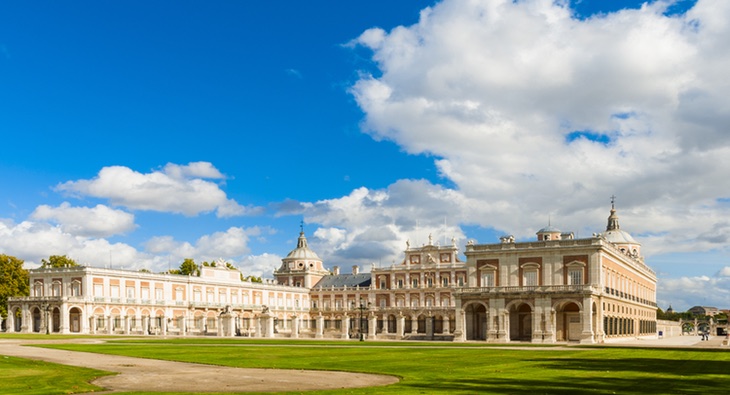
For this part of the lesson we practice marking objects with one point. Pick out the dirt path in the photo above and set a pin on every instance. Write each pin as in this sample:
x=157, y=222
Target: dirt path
x=139, y=374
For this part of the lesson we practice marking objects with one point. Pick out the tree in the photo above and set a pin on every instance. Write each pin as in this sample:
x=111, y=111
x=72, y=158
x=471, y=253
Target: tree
x=56, y=261
x=14, y=281
x=252, y=279
x=189, y=268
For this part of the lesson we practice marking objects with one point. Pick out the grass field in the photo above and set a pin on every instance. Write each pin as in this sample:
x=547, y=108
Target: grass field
x=440, y=368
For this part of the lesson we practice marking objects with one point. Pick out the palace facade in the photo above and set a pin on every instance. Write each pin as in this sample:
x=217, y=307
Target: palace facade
x=554, y=289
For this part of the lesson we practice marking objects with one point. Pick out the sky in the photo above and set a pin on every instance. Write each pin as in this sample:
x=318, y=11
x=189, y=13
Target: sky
x=137, y=134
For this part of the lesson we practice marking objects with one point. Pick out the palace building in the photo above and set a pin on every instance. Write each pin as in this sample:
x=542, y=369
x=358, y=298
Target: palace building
x=554, y=289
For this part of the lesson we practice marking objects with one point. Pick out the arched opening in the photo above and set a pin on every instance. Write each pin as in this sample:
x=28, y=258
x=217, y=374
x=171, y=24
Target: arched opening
x=56, y=320
x=438, y=324
x=475, y=315
x=521, y=322
x=569, y=326
x=36, y=320
x=74, y=320
x=422, y=324
x=392, y=324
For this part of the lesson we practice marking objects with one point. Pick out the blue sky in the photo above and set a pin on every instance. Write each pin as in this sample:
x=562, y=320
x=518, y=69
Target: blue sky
x=141, y=134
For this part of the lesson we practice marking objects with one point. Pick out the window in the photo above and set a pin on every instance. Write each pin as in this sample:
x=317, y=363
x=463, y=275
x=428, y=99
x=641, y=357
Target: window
x=114, y=291
x=98, y=290
x=429, y=282
x=76, y=288
x=130, y=293
x=530, y=278
x=460, y=281
x=178, y=294
x=159, y=294
x=400, y=283
x=488, y=279
x=445, y=281
x=382, y=283
x=56, y=288
x=38, y=288
x=575, y=276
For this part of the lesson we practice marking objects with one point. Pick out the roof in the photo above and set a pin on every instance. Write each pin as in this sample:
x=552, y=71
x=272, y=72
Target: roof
x=549, y=229
x=302, y=252
x=344, y=280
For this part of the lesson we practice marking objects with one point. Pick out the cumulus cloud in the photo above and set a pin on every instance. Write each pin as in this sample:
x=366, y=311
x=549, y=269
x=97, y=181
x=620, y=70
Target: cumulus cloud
x=259, y=265
x=372, y=226
x=533, y=113
x=231, y=246
x=181, y=189
x=33, y=241
x=686, y=292
x=98, y=221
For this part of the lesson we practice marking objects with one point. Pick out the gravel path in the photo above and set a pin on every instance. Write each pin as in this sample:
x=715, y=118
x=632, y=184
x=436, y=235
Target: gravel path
x=139, y=374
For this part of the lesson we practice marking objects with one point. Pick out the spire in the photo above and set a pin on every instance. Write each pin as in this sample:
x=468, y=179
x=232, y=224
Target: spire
x=613, y=218
x=302, y=242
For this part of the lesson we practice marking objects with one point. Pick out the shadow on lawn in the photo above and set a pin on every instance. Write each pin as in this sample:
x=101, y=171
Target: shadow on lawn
x=591, y=376
x=573, y=385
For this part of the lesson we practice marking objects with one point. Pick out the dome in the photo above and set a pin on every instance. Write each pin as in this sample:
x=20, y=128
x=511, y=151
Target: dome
x=618, y=236
x=302, y=252
x=549, y=229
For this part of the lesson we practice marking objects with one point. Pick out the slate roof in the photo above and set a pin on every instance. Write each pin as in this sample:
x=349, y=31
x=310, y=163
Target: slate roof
x=344, y=280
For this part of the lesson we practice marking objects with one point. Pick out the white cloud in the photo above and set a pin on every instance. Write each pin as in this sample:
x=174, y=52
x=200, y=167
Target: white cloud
x=372, y=226
x=99, y=221
x=494, y=89
x=686, y=292
x=259, y=265
x=176, y=188
x=33, y=241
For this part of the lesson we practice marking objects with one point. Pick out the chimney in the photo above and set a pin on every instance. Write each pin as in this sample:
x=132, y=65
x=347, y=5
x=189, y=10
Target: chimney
x=336, y=270
x=355, y=269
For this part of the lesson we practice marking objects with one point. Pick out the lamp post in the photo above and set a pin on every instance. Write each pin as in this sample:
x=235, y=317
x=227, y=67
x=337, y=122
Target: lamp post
x=362, y=308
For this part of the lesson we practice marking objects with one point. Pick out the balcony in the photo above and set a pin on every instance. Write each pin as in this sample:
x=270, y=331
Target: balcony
x=540, y=289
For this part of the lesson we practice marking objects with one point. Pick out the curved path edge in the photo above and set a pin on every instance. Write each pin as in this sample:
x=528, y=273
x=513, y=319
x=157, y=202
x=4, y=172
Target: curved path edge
x=153, y=375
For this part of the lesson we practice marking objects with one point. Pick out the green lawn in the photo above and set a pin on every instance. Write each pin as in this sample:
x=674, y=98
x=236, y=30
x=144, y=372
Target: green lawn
x=433, y=368
x=24, y=376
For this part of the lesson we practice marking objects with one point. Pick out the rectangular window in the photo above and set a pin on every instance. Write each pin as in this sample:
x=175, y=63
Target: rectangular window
x=575, y=277
x=531, y=278
x=488, y=280
x=400, y=283
x=98, y=290
x=159, y=294
x=415, y=283
x=130, y=293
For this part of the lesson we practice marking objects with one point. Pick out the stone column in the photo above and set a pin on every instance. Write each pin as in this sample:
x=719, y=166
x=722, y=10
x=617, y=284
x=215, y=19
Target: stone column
x=10, y=322
x=320, y=327
x=400, y=325
x=445, y=326
x=459, y=333
x=587, y=321
x=504, y=326
x=295, y=327
x=372, y=326
x=345, y=330
x=267, y=325
x=414, y=324
x=125, y=320
x=63, y=318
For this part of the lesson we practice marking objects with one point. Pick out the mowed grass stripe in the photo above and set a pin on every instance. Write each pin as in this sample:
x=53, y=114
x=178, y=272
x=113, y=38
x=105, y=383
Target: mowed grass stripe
x=436, y=369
